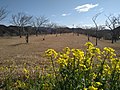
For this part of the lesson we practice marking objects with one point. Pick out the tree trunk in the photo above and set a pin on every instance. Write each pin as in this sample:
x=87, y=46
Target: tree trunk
x=96, y=35
x=27, y=38
x=36, y=33
x=20, y=33
x=112, y=37
x=96, y=41
x=112, y=40
x=88, y=37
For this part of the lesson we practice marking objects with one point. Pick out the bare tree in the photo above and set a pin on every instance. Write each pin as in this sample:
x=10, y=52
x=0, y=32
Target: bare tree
x=39, y=22
x=3, y=13
x=112, y=22
x=20, y=20
x=118, y=19
x=54, y=27
x=50, y=26
x=34, y=24
x=88, y=32
x=101, y=27
x=73, y=30
x=94, y=20
x=100, y=31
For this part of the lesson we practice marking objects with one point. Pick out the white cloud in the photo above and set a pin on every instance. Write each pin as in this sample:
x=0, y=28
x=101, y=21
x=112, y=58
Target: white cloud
x=85, y=7
x=65, y=14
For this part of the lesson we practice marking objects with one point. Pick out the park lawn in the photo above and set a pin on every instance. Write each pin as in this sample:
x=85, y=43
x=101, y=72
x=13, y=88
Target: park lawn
x=15, y=49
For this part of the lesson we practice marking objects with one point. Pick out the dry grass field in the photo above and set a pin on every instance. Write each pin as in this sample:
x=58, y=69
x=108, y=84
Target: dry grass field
x=14, y=49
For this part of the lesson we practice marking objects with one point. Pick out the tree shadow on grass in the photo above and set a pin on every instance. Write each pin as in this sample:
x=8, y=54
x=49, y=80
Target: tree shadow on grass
x=18, y=44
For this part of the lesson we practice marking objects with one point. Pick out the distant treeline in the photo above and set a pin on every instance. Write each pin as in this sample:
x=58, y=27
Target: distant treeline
x=105, y=34
x=14, y=31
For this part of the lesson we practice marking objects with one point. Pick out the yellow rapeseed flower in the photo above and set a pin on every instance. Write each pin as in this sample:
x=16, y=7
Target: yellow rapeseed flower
x=85, y=89
x=92, y=88
x=98, y=83
x=26, y=71
x=78, y=54
x=67, y=50
x=51, y=53
x=89, y=44
x=83, y=66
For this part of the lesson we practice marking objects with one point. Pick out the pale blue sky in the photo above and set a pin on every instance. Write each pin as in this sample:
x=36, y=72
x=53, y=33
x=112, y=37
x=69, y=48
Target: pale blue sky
x=64, y=12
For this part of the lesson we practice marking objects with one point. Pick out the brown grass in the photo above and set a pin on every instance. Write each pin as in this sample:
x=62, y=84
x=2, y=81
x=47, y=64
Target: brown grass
x=15, y=49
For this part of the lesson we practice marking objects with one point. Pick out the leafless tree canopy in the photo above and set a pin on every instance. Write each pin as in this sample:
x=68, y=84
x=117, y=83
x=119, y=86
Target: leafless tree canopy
x=40, y=21
x=50, y=25
x=3, y=13
x=21, y=19
x=94, y=20
x=112, y=22
x=101, y=27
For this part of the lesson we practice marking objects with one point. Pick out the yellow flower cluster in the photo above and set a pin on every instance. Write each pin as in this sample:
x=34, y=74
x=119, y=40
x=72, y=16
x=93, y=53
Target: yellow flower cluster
x=51, y=53
x=93, y=65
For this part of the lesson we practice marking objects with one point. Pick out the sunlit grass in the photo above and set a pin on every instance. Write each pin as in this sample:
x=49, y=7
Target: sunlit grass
x=71, y=69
